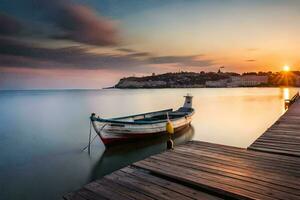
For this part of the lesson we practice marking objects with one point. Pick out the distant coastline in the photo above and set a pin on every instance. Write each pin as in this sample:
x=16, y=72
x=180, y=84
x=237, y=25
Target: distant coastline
x=211, y=80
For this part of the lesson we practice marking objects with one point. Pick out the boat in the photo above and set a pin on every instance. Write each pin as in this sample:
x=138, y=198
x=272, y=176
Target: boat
x=140, y=126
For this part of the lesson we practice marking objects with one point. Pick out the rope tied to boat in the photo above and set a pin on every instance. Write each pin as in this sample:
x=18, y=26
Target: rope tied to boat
x=90, y=134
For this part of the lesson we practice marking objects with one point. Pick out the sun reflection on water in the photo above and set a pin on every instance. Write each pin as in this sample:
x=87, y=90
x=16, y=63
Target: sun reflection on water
x=286, y=93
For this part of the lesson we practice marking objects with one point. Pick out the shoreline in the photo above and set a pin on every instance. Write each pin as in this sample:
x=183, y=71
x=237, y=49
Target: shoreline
x=198, y=87
x=112, y=88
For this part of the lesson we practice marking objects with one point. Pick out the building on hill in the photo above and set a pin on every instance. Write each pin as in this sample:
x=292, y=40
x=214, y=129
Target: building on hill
x=247, y=80
x=235, y=81
x=217, y=83
x=254, y=80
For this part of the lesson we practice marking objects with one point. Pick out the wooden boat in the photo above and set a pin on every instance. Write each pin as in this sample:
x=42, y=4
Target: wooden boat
x=137, y=127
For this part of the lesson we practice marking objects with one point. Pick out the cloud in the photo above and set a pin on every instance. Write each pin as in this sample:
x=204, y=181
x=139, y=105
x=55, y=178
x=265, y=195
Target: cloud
x=139, y=54
x=251, y=60
x=9, y=25
x=126, y=50
x=80, y=23
x=182, y=60
x=62, y=19
x=19, y=54
x=134, y=53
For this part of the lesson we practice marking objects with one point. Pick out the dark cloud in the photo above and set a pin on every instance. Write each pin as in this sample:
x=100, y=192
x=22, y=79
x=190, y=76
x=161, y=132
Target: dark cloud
x=19, y=54
x=140, y=54
x=126, y=50
x=62, y=19
x=9, y=25
x=251, y=60
x=81, y=24
x=182, y=60
x=134, y=53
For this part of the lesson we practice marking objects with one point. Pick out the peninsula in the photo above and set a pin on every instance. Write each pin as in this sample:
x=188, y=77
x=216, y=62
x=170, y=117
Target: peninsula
x=212, y=79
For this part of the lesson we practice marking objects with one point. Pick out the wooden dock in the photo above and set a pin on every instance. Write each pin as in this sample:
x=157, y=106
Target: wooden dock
x=268, y=169
x=283, y=137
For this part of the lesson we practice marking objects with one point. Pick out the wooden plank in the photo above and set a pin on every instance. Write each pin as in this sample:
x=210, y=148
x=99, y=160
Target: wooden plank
x=260, y=180
x=187, y=191
x=231, y=179
x=132, y=183
x=86, y=194
x=278, y=144
x=239, y=152
x=123, y=189
x=278, y=151
x=252, y=160
x=103, y=191
x=149, y=189
x=227, y=165
x=221, y=185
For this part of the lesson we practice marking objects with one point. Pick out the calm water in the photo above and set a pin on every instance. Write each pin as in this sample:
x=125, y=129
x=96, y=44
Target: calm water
x=42, y=132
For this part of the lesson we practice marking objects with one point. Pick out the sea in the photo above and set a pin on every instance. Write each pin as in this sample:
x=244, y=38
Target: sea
x=43, y=132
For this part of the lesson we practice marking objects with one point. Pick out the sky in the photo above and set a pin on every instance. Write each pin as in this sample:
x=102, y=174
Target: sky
x=70, y=44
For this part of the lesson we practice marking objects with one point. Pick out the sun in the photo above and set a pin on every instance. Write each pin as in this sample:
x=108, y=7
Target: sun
x=286, y=68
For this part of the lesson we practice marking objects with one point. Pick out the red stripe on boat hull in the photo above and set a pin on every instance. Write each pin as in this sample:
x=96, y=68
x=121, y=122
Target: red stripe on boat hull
x=112, y=141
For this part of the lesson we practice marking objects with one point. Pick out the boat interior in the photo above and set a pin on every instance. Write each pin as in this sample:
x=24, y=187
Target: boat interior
x=155, y=116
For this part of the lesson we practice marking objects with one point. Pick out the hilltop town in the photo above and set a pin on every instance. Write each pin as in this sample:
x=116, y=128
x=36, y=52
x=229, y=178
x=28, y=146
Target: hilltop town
x=212, y=79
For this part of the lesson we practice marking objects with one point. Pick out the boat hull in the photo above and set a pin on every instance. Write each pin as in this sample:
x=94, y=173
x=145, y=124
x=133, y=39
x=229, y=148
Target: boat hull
x=111, y=133
x=136, y=138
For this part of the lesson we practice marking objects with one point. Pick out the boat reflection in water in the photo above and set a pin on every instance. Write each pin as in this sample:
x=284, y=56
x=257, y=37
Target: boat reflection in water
x=116, y=157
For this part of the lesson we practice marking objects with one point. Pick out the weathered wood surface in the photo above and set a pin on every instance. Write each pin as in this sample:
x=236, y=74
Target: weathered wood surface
x=229, y=171
x=133, y=183
x=200, y=170
x=283, y=137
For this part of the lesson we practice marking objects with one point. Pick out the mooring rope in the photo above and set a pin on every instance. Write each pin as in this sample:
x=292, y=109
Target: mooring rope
x=91, y=141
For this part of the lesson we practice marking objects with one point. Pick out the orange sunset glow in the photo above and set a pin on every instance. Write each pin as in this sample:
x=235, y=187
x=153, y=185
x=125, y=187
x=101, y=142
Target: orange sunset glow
x=94, y=44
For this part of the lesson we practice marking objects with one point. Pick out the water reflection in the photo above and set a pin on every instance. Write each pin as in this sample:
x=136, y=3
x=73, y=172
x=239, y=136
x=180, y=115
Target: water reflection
x=120, y=156
x=286, y=93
